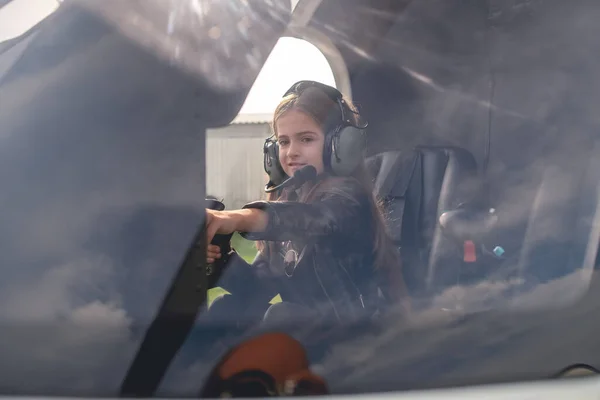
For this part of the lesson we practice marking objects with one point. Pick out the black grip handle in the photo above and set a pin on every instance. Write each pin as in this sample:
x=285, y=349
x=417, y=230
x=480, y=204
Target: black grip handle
x=214, y=204
x=214, y=270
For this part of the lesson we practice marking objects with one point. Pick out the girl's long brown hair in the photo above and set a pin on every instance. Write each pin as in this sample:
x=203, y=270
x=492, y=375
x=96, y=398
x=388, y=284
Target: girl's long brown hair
x=318, y=105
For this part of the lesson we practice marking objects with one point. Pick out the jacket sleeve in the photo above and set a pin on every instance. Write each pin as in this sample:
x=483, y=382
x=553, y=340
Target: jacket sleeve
x=340, y=212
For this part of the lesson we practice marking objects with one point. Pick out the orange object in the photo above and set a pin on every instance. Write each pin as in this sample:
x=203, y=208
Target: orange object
x=469, y=252
x=277, y=354
x=272, y=364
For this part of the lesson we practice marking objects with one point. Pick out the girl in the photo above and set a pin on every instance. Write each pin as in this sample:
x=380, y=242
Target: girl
x=323, y=246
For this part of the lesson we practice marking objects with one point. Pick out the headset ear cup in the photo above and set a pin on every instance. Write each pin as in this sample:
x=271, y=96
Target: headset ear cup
x=347, y=150
x=271, y=163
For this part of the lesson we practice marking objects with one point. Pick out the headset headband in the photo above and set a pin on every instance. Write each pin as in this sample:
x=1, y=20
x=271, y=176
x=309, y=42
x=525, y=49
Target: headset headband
x=334, y=94
x=301, y=86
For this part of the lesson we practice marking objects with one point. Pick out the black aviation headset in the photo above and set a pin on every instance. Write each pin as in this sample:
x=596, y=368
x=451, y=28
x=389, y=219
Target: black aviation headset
x=345, y=143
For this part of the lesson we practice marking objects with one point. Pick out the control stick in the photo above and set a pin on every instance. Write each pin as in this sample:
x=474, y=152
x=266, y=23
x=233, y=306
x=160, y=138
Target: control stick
x=465, y=224
x=215, y=269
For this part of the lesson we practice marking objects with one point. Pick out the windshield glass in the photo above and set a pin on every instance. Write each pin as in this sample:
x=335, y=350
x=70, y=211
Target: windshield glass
x=410, y=191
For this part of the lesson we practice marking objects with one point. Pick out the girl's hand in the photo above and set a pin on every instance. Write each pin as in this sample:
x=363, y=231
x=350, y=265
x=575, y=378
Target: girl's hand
x=226, y=222
x=221, y=222
x=213, y=253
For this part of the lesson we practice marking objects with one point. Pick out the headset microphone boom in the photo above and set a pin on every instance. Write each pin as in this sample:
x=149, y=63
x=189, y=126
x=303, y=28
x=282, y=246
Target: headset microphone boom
x=304, y=174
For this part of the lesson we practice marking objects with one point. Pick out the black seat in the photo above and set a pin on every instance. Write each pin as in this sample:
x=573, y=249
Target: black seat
x=417, y=187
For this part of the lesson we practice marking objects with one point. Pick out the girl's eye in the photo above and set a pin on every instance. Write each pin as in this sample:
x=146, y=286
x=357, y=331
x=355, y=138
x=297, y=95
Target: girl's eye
x=307, y=139
x=282, y=142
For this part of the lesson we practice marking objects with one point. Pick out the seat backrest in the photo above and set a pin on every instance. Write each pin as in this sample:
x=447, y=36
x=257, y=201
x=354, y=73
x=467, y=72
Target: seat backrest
x=563, y=230
x=417, y=187
x=390, y=179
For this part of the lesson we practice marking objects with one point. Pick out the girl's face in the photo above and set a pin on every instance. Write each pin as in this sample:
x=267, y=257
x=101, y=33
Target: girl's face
x=301, y=142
